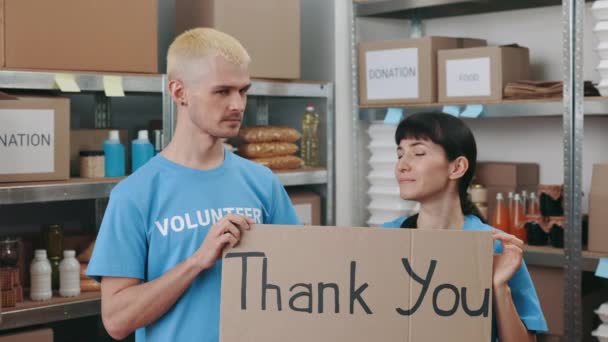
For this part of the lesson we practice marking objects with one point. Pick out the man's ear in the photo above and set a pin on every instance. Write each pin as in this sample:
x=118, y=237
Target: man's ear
x=178, y=92
x=458, y=167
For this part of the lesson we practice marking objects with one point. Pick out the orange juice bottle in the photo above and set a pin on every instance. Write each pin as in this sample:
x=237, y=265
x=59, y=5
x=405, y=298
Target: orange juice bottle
x=500, y=217
x=518, y=221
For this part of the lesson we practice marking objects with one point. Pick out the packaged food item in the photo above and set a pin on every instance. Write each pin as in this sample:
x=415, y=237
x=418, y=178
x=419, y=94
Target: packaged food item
x=536, y=230
x=280, y=163
x=556, y=231
x=500, y=217
x=264, y=150
x=550, y=198
x=260, y=134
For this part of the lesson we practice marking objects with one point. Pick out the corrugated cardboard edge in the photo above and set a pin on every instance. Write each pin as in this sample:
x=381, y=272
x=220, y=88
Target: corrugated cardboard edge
x=2, y=33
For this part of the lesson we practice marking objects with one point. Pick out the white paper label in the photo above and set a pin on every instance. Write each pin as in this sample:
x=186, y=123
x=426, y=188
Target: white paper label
x=468, y=77
x=27, y=141
x=392, y=74
x=304, y=212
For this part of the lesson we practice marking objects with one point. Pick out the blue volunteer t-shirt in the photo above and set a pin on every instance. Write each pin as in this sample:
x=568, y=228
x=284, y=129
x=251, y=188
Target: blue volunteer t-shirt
x=160, y=216
x=522, y=289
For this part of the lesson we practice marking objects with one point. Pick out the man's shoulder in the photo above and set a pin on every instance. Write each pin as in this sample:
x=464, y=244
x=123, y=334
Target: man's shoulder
x=259, y=170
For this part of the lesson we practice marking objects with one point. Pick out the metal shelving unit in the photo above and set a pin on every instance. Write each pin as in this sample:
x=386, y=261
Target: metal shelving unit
x=501, y=109
x=573, y=106
x=79, y=189
x=57, y=309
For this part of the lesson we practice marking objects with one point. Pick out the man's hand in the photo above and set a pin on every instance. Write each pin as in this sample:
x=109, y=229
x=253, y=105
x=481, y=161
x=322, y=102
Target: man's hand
x=226, y=232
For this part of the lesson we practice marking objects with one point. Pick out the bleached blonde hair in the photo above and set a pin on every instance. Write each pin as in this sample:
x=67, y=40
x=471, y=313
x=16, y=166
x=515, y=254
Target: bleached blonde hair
x=193, y=46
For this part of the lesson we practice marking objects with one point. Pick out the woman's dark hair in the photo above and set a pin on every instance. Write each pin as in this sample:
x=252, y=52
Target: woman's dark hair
x=456, y=139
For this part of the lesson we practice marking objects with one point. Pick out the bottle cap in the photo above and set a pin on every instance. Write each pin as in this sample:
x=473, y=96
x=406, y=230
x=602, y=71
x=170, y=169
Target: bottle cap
x=499, y=196
x=69, y=253
x=142, y=135
x=114, y=135
x=40, y=253
x=310, y=108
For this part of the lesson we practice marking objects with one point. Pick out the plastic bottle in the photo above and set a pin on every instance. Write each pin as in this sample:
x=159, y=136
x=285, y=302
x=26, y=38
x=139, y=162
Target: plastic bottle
x=40, y=277
x=141, y=150
x=524, y=200
x=519, y=218
x=115, y=155
x=69, y=275
x=309, y=145
x=500, y=217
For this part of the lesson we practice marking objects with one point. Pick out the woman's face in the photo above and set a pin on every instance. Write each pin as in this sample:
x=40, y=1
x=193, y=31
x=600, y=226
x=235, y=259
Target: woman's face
x=422, y=170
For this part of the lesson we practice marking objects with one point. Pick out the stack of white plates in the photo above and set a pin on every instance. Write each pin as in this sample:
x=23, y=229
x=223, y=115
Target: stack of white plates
x=600, y=13
x=386, y=205
x=602, y=331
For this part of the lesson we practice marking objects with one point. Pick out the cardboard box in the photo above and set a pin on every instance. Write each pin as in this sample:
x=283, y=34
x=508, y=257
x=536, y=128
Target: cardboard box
x=598, y=215
x=507, y=174
x=91, y=139
x=403, y=71
x=549, y=285
x=480, y=74
x=39, y=335
x=506, y=177
x=357, y=284
x=268, y=29
x=308, y=207
x=34, y=139
x=109, y=35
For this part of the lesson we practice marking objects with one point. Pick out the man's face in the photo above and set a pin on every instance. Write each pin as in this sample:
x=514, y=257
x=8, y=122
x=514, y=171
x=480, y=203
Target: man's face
x=217, y=101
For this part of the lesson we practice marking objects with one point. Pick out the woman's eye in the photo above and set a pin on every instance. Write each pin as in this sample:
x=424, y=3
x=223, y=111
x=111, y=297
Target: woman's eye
x=419, y=154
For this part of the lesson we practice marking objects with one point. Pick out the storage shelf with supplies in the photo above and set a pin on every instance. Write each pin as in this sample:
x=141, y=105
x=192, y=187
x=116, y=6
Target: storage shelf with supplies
x=56, y=309
x=498, y=109
x=554, y=257
x=81, y=188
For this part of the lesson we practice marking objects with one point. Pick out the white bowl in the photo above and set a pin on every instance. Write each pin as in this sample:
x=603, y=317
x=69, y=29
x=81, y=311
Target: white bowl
x=603, y=90
x=601, y=333
x=599, y=10
x=602, y=69
x=602, y=52
x=602, y=311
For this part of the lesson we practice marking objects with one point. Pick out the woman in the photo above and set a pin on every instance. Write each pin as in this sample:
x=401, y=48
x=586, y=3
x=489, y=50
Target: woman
x=436, y=156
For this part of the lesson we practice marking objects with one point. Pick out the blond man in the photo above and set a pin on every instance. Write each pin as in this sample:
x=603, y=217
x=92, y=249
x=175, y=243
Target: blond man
x=167, y=224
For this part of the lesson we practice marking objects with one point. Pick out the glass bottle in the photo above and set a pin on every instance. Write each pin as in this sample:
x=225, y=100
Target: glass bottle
x=518, y=220
x=500, y=217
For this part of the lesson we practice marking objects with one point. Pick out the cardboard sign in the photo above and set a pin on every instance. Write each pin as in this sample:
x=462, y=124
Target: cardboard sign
x=468, y=77
x=392, y=74
x=293, y=283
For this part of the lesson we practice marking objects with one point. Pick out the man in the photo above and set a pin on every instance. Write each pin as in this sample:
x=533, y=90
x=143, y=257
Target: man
x=167, y=224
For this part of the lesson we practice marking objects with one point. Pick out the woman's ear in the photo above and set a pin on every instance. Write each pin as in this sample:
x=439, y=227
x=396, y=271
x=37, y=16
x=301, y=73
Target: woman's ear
x=458, y=167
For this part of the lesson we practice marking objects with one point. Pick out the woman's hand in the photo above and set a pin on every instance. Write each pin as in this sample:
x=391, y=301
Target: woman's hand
x=507, y=262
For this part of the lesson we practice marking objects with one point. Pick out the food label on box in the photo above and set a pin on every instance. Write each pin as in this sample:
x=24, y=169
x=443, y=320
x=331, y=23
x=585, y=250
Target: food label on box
x=392, y=74
x=468, y=77
x=27, y=141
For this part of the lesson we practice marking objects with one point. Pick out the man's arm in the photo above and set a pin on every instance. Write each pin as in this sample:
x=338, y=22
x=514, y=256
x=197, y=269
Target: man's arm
x=127, y=304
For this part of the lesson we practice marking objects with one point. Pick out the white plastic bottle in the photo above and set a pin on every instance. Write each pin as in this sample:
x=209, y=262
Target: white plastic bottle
x=69, y=275
x=40, y=274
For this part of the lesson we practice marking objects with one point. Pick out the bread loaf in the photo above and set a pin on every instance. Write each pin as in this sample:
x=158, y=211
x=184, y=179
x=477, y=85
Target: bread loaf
x=83, y=271
x=280, y=163
x=85, y=256
x=265, y=150
x=262, y=134
x=87, y=285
